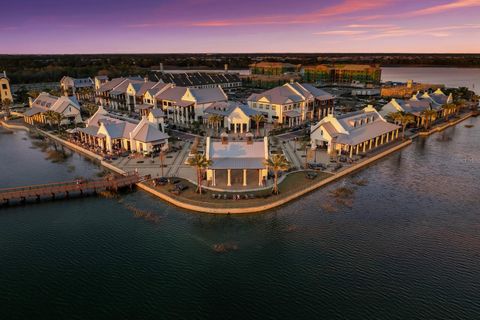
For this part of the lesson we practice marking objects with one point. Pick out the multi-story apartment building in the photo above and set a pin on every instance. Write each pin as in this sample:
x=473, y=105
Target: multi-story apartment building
x=292, y=103
x=343, y=74
x=273, y=68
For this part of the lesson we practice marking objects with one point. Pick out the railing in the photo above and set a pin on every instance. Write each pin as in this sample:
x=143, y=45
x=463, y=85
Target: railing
x=69, y=186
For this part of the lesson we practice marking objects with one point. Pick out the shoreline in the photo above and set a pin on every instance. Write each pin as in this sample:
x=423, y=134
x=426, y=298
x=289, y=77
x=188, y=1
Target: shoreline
x=253, y=209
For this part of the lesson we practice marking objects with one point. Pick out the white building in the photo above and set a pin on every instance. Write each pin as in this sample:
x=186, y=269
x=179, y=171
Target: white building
x=415, y=107
x=236, y=116
x=184, y=105
x=72, y=86
x=292, y=103
x=68, y=107
x=237, y=163
x=111, y=134
x=353, y=133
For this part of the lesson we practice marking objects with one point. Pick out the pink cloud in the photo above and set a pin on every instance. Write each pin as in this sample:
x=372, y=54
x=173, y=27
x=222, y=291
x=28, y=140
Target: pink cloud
x=458, y=4
x=344, y=8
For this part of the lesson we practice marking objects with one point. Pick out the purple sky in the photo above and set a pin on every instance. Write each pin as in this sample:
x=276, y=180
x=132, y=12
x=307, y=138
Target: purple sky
x=167, y=26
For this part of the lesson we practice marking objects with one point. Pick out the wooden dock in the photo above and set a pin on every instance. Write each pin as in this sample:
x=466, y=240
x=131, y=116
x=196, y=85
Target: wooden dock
x=53, y=190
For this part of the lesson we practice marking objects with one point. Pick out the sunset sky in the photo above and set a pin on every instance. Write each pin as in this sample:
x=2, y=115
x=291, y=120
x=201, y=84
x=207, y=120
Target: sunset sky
x=169, y=26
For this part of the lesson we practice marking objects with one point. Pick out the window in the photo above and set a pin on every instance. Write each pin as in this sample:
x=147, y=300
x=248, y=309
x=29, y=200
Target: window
x=4, y=86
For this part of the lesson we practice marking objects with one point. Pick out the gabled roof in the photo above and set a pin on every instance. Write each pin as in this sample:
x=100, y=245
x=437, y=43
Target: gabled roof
x=46, y=102
x=146, y=132
x=291, y=93
x=206, y=95
x=355, y=127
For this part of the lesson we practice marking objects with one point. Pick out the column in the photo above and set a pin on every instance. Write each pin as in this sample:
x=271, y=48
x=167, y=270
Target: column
x=376, y=142
x=241, y=127
x=396, y=135
x=229, y=178
x=351, y=151
x=260, y=177
x=381, y=140
x=244, y=177
x=213, y=178
x=364, y=146
x=358, y=148
x=235, y=128
x=371, y=144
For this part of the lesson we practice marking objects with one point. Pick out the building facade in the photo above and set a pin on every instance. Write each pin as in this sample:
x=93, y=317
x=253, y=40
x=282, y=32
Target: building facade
x=273, y=68
x=110, y=134
x=292, y=104
x=68, y=107
x=346, y=74
x=353, y=133
x=237, y=164
x=5, y=90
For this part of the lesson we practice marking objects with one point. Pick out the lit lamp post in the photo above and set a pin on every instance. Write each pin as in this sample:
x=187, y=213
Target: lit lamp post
x=314, y=149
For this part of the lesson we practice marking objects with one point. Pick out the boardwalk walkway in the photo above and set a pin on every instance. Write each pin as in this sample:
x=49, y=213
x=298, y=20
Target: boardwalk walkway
x=66, y=188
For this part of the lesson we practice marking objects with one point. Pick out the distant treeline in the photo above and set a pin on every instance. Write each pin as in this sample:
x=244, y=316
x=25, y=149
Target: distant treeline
x=50, y=68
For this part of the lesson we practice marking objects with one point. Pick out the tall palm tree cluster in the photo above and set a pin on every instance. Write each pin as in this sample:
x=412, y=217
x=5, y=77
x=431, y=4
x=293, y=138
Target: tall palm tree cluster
x=54, y=118
x=403, y=119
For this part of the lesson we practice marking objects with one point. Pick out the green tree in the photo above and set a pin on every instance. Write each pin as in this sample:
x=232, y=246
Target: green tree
x=90, y=108
x=277, y=163
x=258, y=118
x=215, y=121
x=200, y=162
x=403, y=119
x=54, y=118
x=428, y=117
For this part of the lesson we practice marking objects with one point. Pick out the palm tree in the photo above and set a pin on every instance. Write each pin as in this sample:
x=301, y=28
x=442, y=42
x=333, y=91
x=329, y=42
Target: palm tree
x=404, y=119
x=215, y=121
x=200, y=162
x=428, y=116
x=54, y=117
x=277, y=163
x=447, y=110
x=257, y=118
x=90, y=108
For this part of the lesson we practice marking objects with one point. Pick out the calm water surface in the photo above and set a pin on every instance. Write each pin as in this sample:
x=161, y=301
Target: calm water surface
x=406, y=246
x=451, y=77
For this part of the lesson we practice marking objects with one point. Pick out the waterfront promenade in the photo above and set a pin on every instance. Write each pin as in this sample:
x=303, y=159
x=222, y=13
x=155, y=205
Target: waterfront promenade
x=260, y=202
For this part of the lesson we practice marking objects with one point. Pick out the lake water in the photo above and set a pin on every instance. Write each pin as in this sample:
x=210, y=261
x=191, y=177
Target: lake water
x=405, y=246
x=451, y=77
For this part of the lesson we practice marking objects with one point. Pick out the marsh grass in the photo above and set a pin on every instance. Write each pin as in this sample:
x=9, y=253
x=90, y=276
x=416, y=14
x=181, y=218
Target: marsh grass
x=57, y=156
x=142, y=214
x=224, y=247
x=342, y=192
x=360, y=182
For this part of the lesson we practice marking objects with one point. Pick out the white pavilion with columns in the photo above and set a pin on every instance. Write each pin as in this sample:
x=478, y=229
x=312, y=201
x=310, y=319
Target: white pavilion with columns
x=237, y=164
x=353, y=133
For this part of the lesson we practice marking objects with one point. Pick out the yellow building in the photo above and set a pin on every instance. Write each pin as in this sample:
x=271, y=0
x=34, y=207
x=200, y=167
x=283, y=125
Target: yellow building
x=5, y=91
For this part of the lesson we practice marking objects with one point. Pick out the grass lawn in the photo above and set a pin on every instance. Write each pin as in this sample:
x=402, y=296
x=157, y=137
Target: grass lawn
x=292, y=183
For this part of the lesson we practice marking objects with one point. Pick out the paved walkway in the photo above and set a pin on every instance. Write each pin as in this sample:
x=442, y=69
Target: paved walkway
x=291, y=155
x=179, y=161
